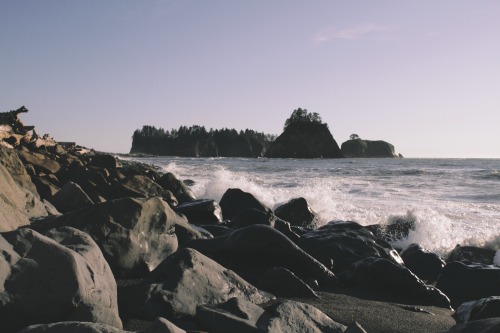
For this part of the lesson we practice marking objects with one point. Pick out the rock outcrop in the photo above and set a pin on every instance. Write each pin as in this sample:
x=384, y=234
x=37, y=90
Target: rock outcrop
x=305, y=140
x=366, y=148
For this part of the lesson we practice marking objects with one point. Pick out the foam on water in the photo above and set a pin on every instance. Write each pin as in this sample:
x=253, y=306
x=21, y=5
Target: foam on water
x=443, y=218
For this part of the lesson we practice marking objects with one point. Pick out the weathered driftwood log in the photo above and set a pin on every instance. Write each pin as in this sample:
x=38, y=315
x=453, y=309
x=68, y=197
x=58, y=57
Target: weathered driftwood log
x=11, y=118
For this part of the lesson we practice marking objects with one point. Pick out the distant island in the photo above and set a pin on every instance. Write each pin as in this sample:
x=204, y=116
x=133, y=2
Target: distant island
x=304, y=135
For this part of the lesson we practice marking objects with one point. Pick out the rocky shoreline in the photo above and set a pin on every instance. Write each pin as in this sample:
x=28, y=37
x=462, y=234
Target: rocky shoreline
x=92, y=243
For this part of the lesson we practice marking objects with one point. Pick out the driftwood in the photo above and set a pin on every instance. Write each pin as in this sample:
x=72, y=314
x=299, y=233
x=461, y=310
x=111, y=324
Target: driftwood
x=11, y=119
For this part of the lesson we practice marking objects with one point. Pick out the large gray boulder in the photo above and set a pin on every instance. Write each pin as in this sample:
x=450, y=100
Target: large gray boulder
x=183, y=281
x=490, y=325
x=135, y=235
x=424, y=264
x=238, y=315
x=464, y=283
x=63, y=277
x=471, y=254
x=260, y=247
x=383, y=275
x=41, y=164
x=338, y=244
x=234, y=201
x=70, y=197
x=297, y=212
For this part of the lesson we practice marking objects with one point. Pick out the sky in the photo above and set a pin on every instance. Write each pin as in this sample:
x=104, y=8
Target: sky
x=422, y=75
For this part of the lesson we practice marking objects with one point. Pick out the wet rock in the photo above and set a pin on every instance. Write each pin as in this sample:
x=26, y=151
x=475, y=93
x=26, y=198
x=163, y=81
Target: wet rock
x=200, y=212
x=339, y=244
x=235, y=200
x=468, y=282
x=216, y=230
x=256, y=248
x=71, y=197
x=50, y=280
x=490, y=325
x=424, y=264
x=187, y=232
x=183, y=281
x=238, y=315
x=476, y=310
x=169, y=182
x=471, y=254
x=297, y=212
x=281, y=282
x=395, y=279
x=135, y=235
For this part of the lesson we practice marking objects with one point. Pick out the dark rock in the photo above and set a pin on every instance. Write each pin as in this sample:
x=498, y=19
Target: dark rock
x=70, y=197
x=490, y=325
x=305, y=140
x=424, y=264
x=297, y=212
x=47, y=280
x=41, y=164
x=338, y=244
x=216, y=230
x=183, y=281
x=187, y=232
x=202, y=211
x=135, y=235
x=105, y=161
x=366, y=148
x=256, y=248
x=472, y=254
x=235, y=200
x=45, y=188
x=395, y=279
x=238, y=315
x=355, y=328
x=169, y=182
x=476, y=310
x=469, y=282
x=281, y=282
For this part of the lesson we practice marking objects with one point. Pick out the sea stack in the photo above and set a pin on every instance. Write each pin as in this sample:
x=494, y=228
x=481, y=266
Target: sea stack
x=304, y=136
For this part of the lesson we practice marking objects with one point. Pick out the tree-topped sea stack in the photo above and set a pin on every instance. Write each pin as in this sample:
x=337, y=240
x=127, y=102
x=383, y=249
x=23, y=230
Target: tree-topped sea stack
x=304, y=136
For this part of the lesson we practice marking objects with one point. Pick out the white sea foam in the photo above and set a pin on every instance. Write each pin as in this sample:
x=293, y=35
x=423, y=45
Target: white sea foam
x=447, y=207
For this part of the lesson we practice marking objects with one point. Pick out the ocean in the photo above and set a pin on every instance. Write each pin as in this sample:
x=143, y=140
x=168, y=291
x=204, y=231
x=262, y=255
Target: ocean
x=453, y=201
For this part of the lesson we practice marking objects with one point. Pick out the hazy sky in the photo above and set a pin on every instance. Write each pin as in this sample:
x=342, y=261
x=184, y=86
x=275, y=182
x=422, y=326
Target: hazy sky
x=423, y=75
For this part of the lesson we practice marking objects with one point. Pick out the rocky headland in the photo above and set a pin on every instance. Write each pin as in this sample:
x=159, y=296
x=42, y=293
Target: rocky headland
x=357, y=148
x=91, y=243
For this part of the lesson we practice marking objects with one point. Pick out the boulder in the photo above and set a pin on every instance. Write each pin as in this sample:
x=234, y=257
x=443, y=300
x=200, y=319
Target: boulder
x=238, y=315
x=256, y=248
x=41, y=164
x=159, y=325
x=386, y=276
x=135, y=235
x=472, y=254
x=169, y=182
x=145, y=186
x=297, y=212
x=476, y=310
x=235, y=200
x=47, y=280
x=105, y=161
x=10, y=160
x=183, y=281
x=468, y=282
x=339, y=244
x=490, y=325
x=12, y=203
x=201, y=211
x=424, y=264
x=281, y=282
x=45, y=188
x=71, y=197
x=355, y=327
x=367, y=148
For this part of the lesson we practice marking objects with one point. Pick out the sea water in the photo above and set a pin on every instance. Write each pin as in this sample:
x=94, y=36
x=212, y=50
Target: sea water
x=452, y=201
